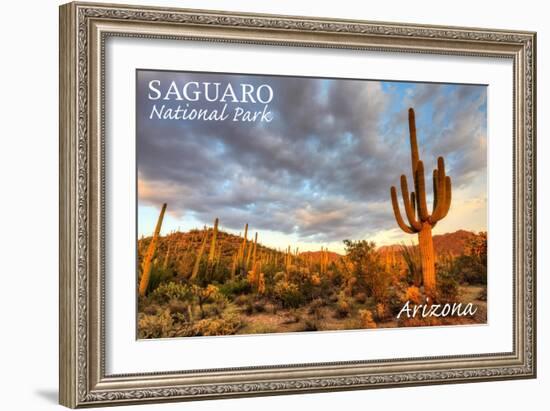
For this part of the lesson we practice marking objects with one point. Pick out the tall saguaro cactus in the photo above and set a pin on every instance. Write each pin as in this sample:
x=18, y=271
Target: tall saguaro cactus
x=416, y=209
x=242, y=249
x=198, y=259
x=148, y=260
x=212, y=252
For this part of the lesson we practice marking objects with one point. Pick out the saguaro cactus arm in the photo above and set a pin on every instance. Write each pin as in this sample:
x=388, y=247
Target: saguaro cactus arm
x=199, y=256
x=420, y=189
x=448, y=196
x=435, y=184
x=397, y=213
x=443, y=201
x=414, y=144
x=442, y=192
x=409, y=208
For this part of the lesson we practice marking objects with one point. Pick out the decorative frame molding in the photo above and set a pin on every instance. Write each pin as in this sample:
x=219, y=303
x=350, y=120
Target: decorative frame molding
x=83, y=30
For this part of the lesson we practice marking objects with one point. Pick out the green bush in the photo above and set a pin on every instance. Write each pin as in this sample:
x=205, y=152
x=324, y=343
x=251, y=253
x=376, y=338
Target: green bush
x=394, y=301
x=166, y=292
x=367, y=320
x=158, y=276
x=447, y=287
x=361, y=298
x=343, y=306
x=382, y=312
x=368, y=269
x=235, y=287
x=470, y=269
x=228, y=324
x=260, y=328
x=155, y=326
x=243, y=299
x=288, y=294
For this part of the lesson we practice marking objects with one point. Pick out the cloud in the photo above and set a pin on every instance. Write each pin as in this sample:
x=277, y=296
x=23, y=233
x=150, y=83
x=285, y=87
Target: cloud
x=322, y=169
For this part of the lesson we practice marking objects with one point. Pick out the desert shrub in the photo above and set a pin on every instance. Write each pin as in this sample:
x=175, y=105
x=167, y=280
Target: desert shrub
x=155, y=326
x=394, y=301
x=343, y=306
x=228, y=324
x=171, y=291
x=248, y=308
x=470, y=269
x=361, y=298
x=217, y=307
x=278, y=277
x=382, y=312
x=208, y=294
x=241, y=300
x=251, y=306
x=288, y=294
x=367, y=268
x=235, y=287
x=350, y=284
x=261, y=328
x=184, y=265
x=316, y=309
x=315, y=305
x=178, y=306
x=413, y=295
x=150, y=309
x=217, y=298
x=181, y=311
x=259, y=306
x=477, y=247
x=378, y=283
x=219, y=272
x=447, y=287
x=367, y=320
x=411, y=256
x=315, y=279
x=157, y=277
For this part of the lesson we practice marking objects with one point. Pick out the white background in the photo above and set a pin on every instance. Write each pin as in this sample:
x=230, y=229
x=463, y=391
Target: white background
x=125, y=355
x=28, y=206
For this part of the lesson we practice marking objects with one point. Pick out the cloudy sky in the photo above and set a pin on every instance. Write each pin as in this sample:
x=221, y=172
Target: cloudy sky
x=321, y=170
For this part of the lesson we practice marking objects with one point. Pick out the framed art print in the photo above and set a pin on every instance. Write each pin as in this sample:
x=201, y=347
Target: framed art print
x=256, y=204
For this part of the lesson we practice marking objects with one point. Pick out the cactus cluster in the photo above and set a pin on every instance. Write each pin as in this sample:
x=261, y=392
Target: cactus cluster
x=420, y=220
x=248, y=261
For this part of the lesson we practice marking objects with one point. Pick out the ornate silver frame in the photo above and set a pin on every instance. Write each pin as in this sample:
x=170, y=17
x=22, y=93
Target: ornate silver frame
x=83, y=30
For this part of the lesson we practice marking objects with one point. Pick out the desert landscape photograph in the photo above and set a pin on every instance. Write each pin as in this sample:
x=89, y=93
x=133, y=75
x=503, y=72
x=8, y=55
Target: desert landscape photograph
x=277, y=204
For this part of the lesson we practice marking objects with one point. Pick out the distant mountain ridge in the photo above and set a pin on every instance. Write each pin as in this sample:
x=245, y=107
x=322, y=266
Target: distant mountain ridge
x=448, y=243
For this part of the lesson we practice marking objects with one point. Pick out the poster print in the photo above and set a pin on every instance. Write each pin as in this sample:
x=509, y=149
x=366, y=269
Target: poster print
x=270, y=204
